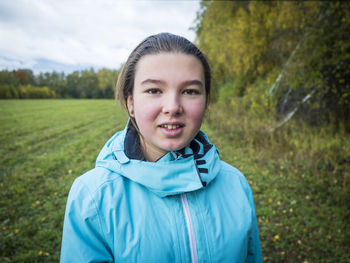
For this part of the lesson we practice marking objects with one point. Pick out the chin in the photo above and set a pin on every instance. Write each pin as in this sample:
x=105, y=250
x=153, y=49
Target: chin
x=175, y=147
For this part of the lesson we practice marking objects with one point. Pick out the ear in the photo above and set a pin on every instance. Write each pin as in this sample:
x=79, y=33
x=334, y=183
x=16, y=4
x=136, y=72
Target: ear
x=130, y=105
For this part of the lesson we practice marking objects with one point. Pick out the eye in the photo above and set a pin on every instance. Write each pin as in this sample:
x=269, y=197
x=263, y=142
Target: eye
x=191, y=92
x=153, y=91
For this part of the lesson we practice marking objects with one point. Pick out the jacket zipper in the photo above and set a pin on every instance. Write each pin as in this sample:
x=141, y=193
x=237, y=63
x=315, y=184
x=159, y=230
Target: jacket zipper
x=189, y=228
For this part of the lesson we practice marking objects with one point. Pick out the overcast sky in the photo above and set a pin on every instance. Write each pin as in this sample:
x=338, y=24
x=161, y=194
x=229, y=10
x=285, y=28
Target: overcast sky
x=68, y=35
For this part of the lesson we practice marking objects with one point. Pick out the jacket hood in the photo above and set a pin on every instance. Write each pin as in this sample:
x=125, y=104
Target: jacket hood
x=187, y=170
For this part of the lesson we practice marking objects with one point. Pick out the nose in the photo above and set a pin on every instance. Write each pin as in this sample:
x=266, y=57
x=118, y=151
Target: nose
x=172, y=105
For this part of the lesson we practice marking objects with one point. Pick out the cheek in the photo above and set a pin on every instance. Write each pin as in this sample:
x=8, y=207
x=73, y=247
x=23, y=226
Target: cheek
x=195, y=111
x=145, y=112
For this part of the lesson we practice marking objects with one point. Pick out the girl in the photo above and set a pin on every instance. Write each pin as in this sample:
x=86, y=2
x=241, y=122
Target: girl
x=159, y=192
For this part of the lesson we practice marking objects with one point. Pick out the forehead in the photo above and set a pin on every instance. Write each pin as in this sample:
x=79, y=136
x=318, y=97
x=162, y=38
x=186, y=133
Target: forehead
x=169, y=65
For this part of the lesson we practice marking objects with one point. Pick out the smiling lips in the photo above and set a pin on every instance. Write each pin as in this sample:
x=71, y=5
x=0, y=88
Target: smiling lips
x=172, y=130
x=171, y=126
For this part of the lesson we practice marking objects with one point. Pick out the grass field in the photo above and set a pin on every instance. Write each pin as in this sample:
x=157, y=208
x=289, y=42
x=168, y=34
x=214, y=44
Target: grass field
x=46, y=144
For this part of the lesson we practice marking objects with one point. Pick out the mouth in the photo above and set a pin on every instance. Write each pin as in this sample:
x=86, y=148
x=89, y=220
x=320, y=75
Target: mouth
x=172, y=130
x=172, y=126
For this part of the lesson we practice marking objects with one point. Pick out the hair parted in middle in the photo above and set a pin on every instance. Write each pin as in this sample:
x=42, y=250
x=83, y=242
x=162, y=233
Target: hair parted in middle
x=155, y=44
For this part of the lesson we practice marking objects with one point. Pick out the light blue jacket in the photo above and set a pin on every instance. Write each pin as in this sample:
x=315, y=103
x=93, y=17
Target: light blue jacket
x=186, y=207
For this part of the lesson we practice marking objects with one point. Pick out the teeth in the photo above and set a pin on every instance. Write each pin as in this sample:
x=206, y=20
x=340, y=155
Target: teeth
x=170, y=126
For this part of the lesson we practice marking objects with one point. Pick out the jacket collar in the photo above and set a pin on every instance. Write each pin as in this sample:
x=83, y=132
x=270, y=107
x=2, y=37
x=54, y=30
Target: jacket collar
x=132, y=147
x=189, y=169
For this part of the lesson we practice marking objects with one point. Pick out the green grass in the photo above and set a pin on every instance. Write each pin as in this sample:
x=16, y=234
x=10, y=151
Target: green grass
x=299, y=179
x=44, y=145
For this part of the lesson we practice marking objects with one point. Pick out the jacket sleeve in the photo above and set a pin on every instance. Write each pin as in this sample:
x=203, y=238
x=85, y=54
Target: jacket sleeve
x=83, y=239
x=254, y=249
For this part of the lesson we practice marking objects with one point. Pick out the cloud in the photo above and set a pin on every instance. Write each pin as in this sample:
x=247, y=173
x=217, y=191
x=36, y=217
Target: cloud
x=79, y=33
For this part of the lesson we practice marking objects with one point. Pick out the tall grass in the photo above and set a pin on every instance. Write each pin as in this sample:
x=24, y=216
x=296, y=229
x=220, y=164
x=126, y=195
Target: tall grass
x=300, y=179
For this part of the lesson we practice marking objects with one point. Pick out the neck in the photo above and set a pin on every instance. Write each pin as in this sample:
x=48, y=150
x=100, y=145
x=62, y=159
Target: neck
x=151, y=154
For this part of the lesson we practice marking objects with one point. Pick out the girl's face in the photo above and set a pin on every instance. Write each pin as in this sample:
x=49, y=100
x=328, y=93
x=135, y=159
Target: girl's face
x=168, y=102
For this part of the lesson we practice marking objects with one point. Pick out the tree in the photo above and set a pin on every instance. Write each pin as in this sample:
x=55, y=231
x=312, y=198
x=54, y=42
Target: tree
x=106, y=82
x=88, y=84
x=300, y=48
x=72, y=84
x=25, y=76
x=247, y=40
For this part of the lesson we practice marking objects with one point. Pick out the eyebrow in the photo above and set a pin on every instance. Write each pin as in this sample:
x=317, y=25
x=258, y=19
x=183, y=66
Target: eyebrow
x=152, y=81
x=192, y=82
x=185, y=83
